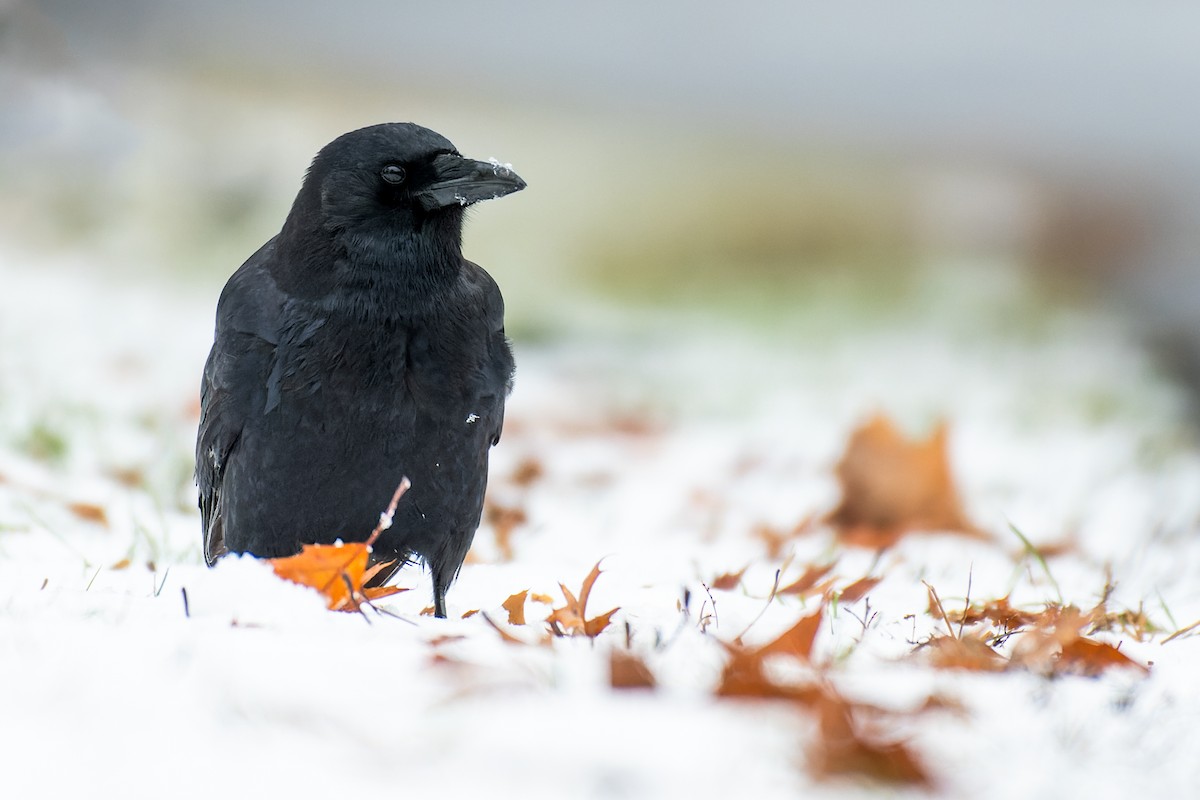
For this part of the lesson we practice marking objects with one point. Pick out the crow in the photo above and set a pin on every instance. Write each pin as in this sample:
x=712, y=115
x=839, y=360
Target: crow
x=356, y=348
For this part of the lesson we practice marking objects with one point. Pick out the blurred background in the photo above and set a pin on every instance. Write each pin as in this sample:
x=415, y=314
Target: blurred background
x=783, y=165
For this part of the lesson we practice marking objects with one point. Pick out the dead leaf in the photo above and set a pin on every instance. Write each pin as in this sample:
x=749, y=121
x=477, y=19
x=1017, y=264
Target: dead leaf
x=998, y=612
x=842, y=750
x=627, y=671
x=1055, y=645
x=544, y=599
x=797, y=640
x=595, y=625
x=729, y=580
x=858, y=590
x=1089, y=657
x=572, y=617
x=970, y=652
x=745, y=675
x=504, y=635
x=504, y=520
x=892, y=485
x=337, y=571
x=122, y=564
x=90, y=512
x=808, y=581
x=515, y=606
x=527, y=471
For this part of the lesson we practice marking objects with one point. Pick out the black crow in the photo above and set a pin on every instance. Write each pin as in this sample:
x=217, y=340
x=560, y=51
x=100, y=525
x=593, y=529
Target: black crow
x=355, y=348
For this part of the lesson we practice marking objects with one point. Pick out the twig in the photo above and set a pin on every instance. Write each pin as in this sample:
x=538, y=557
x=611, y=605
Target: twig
x=88, y=588
x=1182, y=631
x=385, y=522
x=354, y=598
x=967, y=603
x=385, y=519
x=186, y=611
x=937, y=601
x=716, y=619
x=166, y=573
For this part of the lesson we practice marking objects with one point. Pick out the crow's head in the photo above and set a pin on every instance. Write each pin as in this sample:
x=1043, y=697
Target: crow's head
x=397, y=177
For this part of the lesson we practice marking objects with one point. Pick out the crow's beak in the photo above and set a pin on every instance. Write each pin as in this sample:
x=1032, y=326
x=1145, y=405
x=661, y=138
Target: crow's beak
x=460, y=182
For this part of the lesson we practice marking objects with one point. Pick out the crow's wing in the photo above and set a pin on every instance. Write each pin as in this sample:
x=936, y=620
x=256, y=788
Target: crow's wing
x=484, y=294
x=239, y=376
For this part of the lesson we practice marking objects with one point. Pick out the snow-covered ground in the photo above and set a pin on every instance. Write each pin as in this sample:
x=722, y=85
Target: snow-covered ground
x=129, y=669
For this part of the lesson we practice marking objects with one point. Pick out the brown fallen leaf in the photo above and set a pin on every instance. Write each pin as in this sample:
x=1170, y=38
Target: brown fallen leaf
x=843, y=750
x=892, y=485
x=745, y=674
x=572, y=618
x=504, y=635
x=515, y=606
x=528, y=471
x=89, y=512
x=1055, y=645
x=504, y=520
x=729, y=580
x=858, y=590
x=999, y=612
x=969, y=652
x=627, y=671
x=808, y=581
x=122, y=564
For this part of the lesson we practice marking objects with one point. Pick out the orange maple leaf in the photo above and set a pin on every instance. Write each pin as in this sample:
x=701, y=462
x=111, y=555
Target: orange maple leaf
x=892, y=485
x=572, y=617
x=340, y=571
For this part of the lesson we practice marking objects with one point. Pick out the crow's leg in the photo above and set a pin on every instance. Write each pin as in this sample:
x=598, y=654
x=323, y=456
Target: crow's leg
x=439, y=597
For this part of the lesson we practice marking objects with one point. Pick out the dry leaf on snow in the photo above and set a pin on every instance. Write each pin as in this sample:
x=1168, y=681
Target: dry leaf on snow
x=892, y=485
x=515, y=606
x=504, y=520
x=808, y=582
x=745, y=674
x=337, y=571
x=572, y=618
x=858, y=590
x=1055, y=645
x=627, y=671
x=728, y=581
x=842, y=749
x=340, y=571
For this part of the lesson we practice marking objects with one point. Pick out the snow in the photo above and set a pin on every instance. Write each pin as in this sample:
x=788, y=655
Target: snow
x=661, y=457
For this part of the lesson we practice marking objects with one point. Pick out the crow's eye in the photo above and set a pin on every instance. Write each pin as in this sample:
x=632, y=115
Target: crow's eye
x=392, y=173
